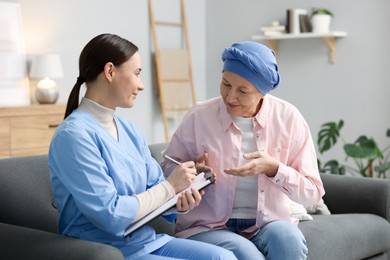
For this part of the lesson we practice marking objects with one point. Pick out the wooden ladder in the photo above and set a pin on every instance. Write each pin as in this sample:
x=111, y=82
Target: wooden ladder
x=175, y=84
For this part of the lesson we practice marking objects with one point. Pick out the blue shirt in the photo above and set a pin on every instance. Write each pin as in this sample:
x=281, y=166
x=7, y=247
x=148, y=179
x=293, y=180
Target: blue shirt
x=94, y=179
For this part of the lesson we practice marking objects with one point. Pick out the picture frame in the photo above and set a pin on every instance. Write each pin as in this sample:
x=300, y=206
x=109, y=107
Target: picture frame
x=14, y=88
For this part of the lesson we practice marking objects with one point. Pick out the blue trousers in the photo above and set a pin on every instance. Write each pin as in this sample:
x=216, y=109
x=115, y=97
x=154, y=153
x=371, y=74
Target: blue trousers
x=179, y=248
x=278, y=240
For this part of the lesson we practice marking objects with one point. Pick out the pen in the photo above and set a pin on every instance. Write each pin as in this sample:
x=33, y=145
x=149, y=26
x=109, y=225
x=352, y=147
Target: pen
x=171, y=159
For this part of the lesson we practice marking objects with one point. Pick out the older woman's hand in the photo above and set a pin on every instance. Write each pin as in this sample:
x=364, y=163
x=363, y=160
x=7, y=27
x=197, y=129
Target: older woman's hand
x=201, y=165
x=259, y=163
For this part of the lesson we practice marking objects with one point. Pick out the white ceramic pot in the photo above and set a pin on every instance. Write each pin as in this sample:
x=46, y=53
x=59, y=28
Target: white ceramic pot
x=321, y=23
x=47, y=95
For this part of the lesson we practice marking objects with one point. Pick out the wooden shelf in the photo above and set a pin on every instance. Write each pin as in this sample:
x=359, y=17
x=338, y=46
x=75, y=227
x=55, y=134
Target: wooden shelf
x=329, y=38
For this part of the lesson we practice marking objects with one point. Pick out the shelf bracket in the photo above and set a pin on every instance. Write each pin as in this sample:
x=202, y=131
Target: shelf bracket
x=331, y=42
x=273, y=44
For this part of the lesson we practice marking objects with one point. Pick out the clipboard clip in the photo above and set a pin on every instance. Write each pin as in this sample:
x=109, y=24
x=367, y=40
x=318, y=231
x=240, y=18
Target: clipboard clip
x=209, y=176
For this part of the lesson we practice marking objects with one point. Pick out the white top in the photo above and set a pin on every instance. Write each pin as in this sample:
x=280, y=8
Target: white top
x=102, y=114
x=245, y=198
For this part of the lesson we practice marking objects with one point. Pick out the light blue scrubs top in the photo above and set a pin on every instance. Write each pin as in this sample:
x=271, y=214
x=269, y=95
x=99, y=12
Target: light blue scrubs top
x=94, y=179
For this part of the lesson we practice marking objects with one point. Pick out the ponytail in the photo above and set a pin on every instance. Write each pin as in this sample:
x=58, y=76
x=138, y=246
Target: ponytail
x=73, y=100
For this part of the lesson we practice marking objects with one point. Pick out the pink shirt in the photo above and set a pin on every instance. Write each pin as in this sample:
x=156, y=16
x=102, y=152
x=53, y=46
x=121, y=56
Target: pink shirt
x=280, y=130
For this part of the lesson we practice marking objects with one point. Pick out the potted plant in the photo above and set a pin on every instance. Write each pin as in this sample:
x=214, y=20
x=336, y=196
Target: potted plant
x=320, y=20
x=364, y=151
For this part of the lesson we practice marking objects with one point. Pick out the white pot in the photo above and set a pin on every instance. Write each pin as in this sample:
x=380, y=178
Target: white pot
x=321, y=23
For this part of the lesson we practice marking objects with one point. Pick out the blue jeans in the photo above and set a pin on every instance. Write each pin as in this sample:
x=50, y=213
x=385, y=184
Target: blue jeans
x=179, y=248
x=278, y=240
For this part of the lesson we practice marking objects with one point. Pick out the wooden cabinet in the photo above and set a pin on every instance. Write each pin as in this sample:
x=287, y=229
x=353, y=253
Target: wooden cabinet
x=28, y=130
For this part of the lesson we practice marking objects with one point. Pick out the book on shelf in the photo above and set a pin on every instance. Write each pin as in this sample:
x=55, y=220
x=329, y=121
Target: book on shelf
x=304, y=23
x=293, y=20
x=273, y=33
x=273, y=30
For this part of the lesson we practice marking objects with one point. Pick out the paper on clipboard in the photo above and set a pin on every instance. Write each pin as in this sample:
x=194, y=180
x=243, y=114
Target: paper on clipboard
x=202, y=181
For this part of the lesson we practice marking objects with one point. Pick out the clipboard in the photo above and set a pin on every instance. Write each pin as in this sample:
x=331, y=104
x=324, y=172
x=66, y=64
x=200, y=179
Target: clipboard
x=202, y=180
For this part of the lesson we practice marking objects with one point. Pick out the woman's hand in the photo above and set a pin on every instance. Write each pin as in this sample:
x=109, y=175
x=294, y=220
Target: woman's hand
x=182, y=176
x=259, y=162
x=189, y=200
x=201, y=164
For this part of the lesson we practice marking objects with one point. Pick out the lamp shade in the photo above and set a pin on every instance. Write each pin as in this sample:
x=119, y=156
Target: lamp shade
x=46, y=66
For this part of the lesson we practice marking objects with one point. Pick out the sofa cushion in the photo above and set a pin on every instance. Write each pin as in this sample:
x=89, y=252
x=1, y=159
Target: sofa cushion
x=25, y=194
x=346, y=236
x=319, y=208
x=26, y=243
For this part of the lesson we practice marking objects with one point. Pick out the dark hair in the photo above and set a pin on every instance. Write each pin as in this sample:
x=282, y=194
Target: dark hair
x=98, y=51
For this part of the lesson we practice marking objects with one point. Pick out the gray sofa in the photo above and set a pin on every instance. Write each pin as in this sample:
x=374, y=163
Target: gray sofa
x=359, y=227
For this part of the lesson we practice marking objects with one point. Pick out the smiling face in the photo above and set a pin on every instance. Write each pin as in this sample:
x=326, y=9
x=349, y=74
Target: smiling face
x=240, y=96
x=126, y=82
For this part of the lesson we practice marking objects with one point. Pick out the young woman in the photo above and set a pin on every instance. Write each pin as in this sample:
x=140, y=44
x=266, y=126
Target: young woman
x=103, y=176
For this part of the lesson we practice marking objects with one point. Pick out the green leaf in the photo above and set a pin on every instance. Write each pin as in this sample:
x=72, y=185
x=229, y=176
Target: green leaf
x=321, y=11
x=340, y=124
x=333, y=167
x=382, y=168
x=363, y=148
x=328, y=135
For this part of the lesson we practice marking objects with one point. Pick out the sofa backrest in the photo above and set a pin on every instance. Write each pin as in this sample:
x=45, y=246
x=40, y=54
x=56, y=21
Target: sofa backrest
x=156, y=151
x=25, y=193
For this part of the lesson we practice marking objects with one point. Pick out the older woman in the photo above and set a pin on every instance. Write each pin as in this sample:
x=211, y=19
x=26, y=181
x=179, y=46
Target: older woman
x=262, y=152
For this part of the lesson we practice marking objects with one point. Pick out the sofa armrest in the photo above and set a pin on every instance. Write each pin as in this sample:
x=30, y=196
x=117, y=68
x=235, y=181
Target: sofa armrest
x=349, y=194
x=18, y=242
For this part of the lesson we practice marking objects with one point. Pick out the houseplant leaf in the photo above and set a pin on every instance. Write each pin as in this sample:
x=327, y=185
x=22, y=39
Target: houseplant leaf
x=333, y=167
x=315, y=11
x=363, y=148
x=382, y=168
x=328, y=135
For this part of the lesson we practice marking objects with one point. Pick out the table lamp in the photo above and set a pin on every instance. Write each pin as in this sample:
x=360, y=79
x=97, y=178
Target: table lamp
x=46, y=67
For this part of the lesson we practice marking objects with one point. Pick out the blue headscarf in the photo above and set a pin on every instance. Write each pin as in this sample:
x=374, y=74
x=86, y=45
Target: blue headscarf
x=253, y=61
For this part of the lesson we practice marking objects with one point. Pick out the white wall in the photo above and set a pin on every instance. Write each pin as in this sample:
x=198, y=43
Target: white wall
x=64, y=27
x=356, y=88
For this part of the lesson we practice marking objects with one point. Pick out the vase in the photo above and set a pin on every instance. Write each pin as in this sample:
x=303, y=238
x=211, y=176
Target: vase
x=320, y=23
x=47, y=95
